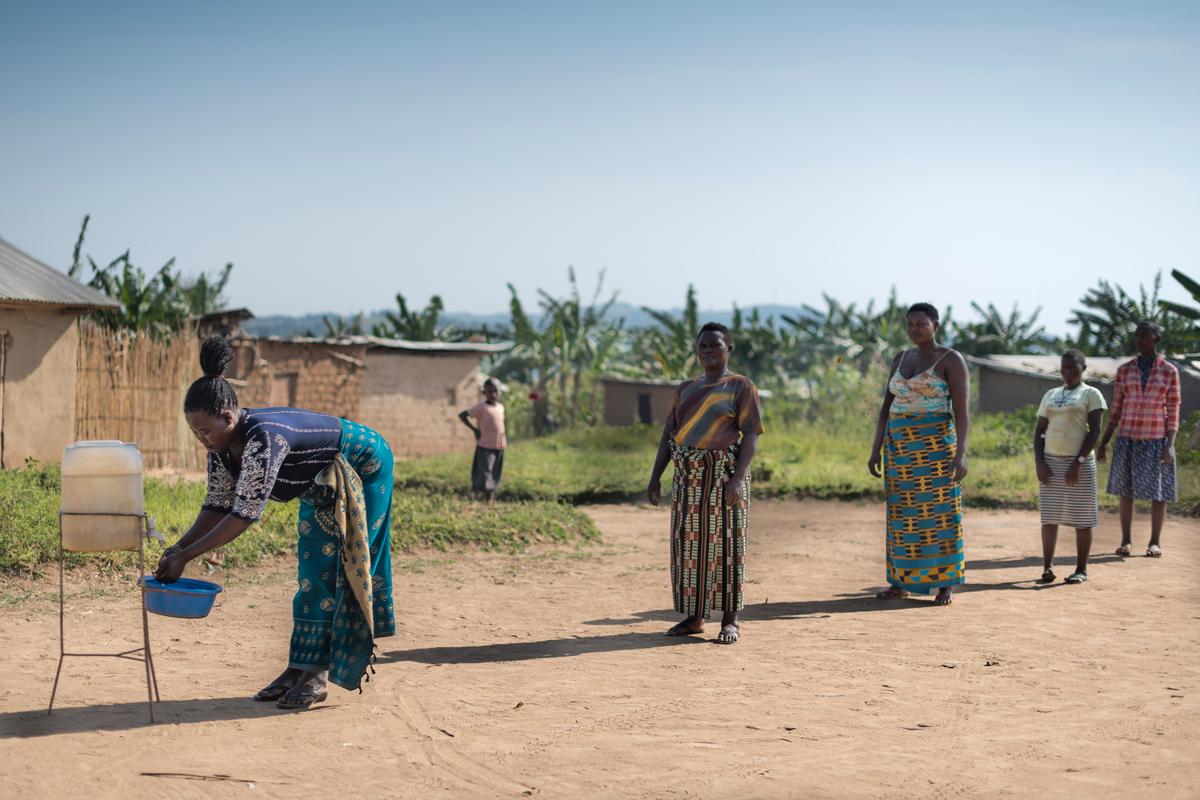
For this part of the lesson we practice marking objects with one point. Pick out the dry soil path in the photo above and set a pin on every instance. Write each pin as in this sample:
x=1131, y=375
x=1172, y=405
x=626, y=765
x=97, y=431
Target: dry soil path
x=547, y=675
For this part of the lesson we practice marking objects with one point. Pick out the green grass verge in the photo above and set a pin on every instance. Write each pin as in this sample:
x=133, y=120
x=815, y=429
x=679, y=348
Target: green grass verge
x=795, y=459
x=29, y=500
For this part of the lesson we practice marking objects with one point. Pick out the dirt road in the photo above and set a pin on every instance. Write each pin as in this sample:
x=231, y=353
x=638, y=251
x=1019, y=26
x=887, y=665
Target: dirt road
x=547, y=675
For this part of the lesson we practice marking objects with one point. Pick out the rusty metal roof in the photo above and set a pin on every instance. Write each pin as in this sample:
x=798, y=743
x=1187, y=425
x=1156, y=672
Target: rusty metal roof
x=24, y=279
x=379, y=343
x=1099, y=368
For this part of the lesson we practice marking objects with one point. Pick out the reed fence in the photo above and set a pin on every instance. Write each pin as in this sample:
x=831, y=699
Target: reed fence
x=131, y=388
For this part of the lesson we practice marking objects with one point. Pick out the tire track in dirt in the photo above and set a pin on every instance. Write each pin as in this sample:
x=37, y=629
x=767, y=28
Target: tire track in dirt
x=447, y=760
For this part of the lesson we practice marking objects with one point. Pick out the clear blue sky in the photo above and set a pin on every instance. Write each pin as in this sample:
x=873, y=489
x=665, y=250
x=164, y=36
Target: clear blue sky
x=340, y=152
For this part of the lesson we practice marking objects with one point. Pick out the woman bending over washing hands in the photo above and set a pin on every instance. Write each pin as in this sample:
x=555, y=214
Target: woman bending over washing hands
x=342, y=474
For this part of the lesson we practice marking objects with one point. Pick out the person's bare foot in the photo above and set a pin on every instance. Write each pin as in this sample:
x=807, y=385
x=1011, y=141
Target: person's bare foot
x=280, y=686
x=945, y=596
x=689, y=627
x=891, y=593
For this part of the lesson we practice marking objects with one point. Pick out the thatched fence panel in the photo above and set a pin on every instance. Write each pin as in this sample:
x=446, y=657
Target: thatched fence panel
x=131, y=388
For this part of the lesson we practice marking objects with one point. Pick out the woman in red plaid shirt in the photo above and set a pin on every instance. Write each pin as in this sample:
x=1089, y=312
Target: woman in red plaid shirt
x=1145, y=415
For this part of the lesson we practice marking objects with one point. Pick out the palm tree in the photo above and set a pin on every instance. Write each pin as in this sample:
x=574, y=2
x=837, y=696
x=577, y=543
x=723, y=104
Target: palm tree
x=339, y=327
x=862, y=337
x=1190, y=340
x=671, y=347
x=158, y=303
x=415, y=326
x=997, y=333
x=1110, y=314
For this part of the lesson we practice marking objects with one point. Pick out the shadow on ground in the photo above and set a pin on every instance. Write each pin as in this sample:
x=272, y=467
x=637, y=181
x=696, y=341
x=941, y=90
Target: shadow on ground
x=548, y=648
x=128, y=716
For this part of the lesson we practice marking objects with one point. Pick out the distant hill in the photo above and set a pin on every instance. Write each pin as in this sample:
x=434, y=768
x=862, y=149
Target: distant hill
x=634, y=316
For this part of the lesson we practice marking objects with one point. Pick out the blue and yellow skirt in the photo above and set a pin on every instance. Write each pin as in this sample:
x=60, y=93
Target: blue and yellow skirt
x=924, y=504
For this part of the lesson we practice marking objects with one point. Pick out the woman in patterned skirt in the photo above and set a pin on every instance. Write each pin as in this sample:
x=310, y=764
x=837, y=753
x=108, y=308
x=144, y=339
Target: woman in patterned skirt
x=342, y=473
x=923, y=421
x=1068, y=426
x=710, y=435
x=1145, y=417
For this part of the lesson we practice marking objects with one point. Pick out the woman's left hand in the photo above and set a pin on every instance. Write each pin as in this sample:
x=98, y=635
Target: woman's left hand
x=170, y=568
x=733, y=489
x=960, y=468
x=1168, y=455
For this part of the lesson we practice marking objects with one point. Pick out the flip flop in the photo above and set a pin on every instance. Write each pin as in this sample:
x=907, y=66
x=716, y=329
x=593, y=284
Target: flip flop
x=943, y=599
x=892, y=593
x=1153, y=551
x=729, y=634
x=1125, y=550
x=1076, y=577
x=1047, y=577
x=302, y=697
x=681, y=629
x=273, y=691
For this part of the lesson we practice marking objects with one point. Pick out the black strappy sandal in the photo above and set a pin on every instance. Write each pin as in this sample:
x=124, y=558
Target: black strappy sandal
x=302, y=696
x=1047, y=577
x=273, y=691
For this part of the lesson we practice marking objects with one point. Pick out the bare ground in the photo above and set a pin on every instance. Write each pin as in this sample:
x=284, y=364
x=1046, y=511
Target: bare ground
x=547, y=675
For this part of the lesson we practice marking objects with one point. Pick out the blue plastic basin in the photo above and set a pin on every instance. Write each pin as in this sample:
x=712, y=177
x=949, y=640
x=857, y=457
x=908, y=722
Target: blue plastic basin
x=186, y=597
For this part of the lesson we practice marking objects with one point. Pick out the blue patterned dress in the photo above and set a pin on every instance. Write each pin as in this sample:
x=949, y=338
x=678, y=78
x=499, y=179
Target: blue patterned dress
x=286, y=449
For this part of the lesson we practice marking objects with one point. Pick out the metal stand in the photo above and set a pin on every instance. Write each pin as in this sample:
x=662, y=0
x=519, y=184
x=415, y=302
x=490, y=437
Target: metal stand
x=145, y=656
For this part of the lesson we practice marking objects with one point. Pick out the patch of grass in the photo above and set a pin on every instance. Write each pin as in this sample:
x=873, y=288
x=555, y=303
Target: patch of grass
x=582, y=465
x=795, y=459
x=29, y=501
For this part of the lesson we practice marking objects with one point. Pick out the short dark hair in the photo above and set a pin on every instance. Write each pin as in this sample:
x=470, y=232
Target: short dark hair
x=1149, y=325
x=212, y=394
x=924, y=308
x=491, y=383
x=719, y=328
x=1076, y=354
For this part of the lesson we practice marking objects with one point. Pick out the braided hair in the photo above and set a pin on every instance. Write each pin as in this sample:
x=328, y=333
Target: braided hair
x=212, y=394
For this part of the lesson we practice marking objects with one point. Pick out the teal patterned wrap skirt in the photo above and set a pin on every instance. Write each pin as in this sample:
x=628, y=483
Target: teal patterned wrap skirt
x=323, y=611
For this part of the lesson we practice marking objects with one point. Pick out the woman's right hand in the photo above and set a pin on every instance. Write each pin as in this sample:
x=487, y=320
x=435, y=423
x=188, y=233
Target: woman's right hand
x=170, y=567
x=653, y=492
x=1043, y=472
x=1101, y=454
x=874, y=464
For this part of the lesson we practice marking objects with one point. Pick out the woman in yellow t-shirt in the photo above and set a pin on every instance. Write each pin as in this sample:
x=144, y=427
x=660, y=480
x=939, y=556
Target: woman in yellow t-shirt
x=1068, y=426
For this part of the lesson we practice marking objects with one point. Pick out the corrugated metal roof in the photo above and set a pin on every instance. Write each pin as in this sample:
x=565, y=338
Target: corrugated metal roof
x=24, y=279
x=1099, y=368
x=395, y=344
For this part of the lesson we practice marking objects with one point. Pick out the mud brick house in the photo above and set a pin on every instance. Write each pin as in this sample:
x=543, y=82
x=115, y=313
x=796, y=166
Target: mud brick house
x=412, y=393
x=323, y=375
x=39, y=344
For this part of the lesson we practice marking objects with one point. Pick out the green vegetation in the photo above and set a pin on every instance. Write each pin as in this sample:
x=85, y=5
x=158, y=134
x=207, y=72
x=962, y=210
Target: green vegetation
x=158, y=304
x=797, y=458
x=29, y=536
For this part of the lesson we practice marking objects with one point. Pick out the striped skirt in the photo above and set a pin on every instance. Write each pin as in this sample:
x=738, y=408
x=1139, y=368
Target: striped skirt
x=708, y=537
x=924, y=504
x=1069, y=505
